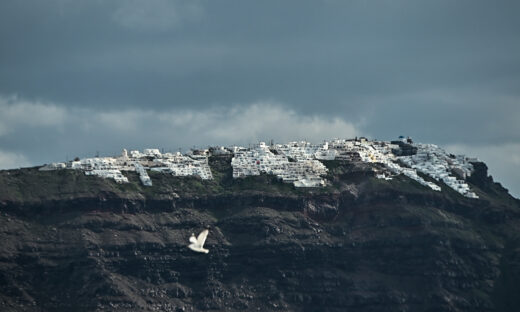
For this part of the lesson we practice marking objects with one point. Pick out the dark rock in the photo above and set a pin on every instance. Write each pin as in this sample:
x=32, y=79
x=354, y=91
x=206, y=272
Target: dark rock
x=360, y=244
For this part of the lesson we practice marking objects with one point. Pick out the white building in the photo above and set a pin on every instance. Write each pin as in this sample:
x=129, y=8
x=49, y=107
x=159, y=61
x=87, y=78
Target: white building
x=297, y=162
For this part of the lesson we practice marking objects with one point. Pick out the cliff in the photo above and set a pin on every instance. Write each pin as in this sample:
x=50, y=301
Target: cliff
x=70, y=242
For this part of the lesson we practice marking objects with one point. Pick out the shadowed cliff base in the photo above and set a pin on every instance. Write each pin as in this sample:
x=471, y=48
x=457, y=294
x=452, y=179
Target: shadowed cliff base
x=82, y=243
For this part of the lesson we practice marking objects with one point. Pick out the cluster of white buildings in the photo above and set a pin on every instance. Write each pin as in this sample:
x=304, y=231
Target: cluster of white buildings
x=299, y=163
x=183, y=165
x=436, y=163
x=293, y=166
x=429, y=160
x=149, y=159
x=303, y=150
x=381, y=152
x=108, y=174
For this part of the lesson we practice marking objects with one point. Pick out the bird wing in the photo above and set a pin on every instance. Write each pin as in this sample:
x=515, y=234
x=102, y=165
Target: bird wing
x=202, y=238
x=193, y=240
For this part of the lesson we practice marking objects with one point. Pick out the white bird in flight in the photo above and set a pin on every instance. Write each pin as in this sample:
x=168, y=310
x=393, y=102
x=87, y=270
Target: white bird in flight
x=197, y=244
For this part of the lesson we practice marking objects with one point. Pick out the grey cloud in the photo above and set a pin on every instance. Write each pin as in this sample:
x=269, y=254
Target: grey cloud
x=156, y=15
x=83, y=132
x=446, y=116
x=299, y=52
x=18, y=113
x=9, y=160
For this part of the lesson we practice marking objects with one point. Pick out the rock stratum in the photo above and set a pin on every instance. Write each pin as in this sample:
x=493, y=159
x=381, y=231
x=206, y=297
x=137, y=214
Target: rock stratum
x=71, y=242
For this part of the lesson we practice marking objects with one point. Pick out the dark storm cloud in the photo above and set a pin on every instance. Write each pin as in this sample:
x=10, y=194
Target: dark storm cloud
x=301, y=52
x=446, y=72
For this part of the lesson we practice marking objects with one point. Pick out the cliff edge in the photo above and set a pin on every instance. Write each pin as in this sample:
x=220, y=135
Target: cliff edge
x=71, y=242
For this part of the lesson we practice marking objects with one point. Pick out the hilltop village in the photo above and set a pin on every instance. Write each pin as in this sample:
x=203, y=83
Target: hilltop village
x=299, y=163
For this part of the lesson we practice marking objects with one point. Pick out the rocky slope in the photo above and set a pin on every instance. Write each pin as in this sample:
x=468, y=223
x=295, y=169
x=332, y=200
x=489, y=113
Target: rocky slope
x=70, y=242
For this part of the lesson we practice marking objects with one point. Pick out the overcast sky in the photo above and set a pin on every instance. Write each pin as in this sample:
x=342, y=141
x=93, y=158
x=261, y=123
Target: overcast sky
x=82, y=77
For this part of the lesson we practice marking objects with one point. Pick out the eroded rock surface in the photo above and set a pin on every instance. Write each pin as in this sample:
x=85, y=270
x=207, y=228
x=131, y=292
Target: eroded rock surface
x=76, y=243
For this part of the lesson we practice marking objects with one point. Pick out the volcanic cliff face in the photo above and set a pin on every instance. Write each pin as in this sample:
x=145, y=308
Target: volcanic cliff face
x=71, y=242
